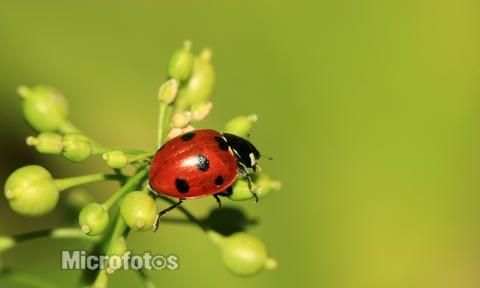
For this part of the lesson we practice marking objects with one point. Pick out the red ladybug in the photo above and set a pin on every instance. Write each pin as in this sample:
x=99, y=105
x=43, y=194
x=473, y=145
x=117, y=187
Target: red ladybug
x=201, y=163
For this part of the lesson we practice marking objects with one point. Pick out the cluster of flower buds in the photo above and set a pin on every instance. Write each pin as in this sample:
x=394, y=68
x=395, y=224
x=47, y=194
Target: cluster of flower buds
x=189, y=89
x=185, y=98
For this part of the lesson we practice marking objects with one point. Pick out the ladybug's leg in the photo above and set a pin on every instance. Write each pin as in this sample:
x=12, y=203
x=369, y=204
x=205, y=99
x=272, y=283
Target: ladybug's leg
x=163, y=212
x=227, y=192
x=219, y=202
x=244, y=171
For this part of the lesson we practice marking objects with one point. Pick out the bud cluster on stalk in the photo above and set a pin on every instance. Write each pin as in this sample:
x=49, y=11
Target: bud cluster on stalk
x=185, y=96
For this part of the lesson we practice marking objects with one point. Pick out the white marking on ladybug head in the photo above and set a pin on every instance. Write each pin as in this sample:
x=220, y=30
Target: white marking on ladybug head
x=252, y=159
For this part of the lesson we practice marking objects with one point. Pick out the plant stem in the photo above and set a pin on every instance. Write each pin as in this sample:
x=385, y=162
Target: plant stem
x=131, y=184
x=68, y=127
x=141, y=156
x=119, y=226
x=101, y=280
x=147, y=282
x=67, y=183
x=162, y=109
x=8, y=242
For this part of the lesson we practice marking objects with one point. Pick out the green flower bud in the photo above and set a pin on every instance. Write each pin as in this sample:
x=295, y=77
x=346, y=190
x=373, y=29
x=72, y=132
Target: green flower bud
x=244, y=254
x=262, y=184
x=180, y=66
x=93, y=219
x=116, y=159
x=46, y=142
x=181, y=119
x=174, y=132
x=168, y=91
x=76, y=147
x=44, y=108
x=201, y=110
x=31, y=191
x=240, y=125
x=139, y=211
x=200, y=86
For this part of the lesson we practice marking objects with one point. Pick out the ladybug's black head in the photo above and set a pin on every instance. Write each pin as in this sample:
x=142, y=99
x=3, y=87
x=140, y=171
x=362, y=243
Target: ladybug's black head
x=243, y=149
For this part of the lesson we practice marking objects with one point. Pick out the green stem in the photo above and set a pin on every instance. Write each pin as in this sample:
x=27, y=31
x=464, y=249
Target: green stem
x=101, y=280
x=139, y=157
x=67, y=183
x=8, y=242
x=68, y=127
x=147, y=282
x=119, y=228
x=162, y=107
x=131, y=184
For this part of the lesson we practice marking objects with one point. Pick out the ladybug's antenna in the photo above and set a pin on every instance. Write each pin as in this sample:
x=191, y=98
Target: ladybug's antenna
x=267, y=157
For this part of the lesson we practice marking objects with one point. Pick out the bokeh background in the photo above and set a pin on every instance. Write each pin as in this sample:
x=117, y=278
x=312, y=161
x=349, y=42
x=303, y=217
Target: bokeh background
x=370, y=109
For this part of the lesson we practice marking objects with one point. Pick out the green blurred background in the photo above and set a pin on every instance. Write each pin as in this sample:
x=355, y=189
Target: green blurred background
x=370, y=109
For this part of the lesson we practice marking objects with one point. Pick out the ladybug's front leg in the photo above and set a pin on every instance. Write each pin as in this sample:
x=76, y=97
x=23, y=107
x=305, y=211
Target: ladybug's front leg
x=244, y=171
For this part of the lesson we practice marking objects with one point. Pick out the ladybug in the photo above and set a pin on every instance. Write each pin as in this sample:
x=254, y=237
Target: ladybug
x=201, y=163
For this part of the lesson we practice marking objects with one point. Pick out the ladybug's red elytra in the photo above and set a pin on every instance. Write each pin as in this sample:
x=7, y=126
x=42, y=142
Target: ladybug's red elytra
x=201, y=163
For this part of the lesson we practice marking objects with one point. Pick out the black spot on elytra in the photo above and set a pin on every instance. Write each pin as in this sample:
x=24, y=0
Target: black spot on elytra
x=202, y=163
x=182, y=185
x=222, y=143
x=219, y=180
x=187, y=136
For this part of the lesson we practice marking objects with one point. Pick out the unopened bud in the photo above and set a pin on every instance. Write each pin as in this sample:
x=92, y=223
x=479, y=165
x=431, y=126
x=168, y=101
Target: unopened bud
x=139, y=211
x=76, y=147
x=31, y=191
x=46, y=142
x=180, y=66
x=44, y=108
x=200, y=86
x=241, y=125
x=262, y=185
x=115, y=159
x=181, y=119
x=245, y=255
x=93, y=219
x=168, y=91
x=201, y=110
x=174, y=132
